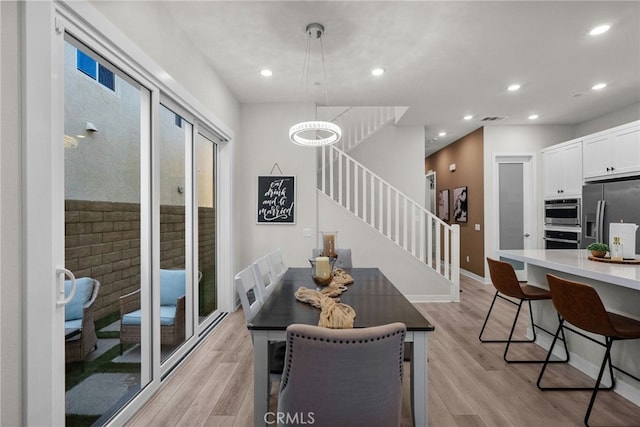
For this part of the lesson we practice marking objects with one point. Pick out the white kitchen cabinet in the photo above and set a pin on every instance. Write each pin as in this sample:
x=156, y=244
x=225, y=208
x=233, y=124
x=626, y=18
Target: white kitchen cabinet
x=562, y=170
x=614, y=153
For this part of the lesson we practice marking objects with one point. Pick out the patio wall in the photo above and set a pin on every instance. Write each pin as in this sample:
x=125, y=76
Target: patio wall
x=103, y=242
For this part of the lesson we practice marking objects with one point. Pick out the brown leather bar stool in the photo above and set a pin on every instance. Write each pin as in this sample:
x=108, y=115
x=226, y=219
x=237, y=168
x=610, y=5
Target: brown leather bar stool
x=580, y=305
x=506, y=283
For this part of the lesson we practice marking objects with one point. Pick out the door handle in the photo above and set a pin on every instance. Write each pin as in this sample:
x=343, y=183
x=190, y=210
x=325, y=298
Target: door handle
x=527, y=235
x=60, y=299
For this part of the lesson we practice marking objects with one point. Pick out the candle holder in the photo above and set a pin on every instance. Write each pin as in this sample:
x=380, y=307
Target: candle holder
x=329, y=243
x=322, y=270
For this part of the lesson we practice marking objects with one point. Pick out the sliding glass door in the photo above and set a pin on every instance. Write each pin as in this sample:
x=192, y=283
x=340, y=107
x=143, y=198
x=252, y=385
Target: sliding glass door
x=121, y=224
x=103, y=201
x=103, y=198
x=175, y=286
x=205, y=161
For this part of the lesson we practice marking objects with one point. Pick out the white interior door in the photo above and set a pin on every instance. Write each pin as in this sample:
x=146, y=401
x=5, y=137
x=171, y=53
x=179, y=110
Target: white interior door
x=430, y=192
x=516, y=219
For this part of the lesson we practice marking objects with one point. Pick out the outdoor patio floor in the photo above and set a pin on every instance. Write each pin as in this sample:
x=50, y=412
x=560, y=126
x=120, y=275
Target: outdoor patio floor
x=100, y=392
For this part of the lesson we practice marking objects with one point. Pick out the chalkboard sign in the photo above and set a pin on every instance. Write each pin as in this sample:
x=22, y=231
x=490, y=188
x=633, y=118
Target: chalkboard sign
x=276, y=199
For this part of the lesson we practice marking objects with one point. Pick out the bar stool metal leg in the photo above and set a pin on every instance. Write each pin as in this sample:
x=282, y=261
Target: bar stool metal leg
x=606, y=359
x=579, y=305
x=510, y=340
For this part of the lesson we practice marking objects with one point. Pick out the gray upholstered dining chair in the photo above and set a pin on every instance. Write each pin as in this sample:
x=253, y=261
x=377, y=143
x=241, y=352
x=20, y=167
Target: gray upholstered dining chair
x=345, y=377
x=343, y=260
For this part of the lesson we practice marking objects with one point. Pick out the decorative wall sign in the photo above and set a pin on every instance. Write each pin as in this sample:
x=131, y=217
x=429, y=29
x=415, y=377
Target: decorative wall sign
x=276, y=199
x=460, y=204
x=443, y=205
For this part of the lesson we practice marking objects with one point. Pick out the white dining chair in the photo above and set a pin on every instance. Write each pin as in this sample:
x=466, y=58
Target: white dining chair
x=264, y=276
x=276, y=261
x=249, y=292
x=252, y=298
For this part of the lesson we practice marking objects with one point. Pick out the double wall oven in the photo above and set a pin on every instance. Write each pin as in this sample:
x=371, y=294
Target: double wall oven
x=562, y=226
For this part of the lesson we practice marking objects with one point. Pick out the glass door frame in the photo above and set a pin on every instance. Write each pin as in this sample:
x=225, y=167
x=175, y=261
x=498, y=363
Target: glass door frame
x=45, y=24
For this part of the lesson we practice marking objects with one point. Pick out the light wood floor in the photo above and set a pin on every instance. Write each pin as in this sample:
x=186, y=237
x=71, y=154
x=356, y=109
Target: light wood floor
x=469, y=383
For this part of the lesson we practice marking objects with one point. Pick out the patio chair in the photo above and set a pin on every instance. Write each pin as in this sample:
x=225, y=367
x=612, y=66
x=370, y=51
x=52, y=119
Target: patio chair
x=78, y=320
x=172, y=311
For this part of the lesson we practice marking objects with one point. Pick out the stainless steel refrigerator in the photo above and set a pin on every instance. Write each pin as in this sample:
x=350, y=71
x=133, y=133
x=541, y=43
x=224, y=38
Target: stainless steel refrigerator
x=604, y=203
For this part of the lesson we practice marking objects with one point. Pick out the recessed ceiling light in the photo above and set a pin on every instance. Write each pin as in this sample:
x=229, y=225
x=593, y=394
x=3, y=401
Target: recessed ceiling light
x=468, y=117
x=442, y=134
x=266, y=72
x=600, y=29
x=599, y=86
x=533, y=117
x=514, y=87
x=377, y=72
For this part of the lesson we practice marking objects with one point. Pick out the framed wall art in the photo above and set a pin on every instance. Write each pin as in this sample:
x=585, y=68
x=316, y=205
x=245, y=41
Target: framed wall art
x=460, y=213
x=276, y=199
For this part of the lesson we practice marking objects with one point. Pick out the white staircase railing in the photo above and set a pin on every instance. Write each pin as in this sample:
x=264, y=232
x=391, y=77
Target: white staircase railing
x=358, y=123
x=391, y=213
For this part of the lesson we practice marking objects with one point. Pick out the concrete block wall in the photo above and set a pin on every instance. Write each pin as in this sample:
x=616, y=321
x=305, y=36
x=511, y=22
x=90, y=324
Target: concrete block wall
x=103, y=242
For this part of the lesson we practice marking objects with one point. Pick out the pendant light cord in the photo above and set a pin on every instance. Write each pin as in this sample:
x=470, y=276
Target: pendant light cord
x=324, y=72
x=304, y=78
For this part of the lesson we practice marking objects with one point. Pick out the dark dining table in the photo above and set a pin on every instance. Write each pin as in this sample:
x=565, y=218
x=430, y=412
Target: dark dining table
x=375, y=300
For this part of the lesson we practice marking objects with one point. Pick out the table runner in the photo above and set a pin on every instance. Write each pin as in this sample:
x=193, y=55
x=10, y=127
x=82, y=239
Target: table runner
x=334, y=314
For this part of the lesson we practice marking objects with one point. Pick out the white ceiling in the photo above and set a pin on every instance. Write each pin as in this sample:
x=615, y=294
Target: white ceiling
x=443, y=59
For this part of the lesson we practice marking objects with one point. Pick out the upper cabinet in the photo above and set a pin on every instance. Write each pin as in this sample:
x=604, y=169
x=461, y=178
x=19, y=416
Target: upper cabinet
x=562, y=170
x=614, y=153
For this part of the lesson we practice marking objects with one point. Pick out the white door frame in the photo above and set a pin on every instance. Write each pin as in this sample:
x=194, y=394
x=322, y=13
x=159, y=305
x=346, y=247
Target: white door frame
x=530, y=220
x=43, y=369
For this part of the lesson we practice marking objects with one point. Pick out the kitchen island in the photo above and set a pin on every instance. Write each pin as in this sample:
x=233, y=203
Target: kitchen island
x=619, y=288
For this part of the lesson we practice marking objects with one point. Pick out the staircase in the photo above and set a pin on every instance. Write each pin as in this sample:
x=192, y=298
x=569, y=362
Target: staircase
x=358, y=123
x=384, y=208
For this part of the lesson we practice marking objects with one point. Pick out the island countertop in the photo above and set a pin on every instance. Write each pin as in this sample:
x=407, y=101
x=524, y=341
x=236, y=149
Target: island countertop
x=577, y=262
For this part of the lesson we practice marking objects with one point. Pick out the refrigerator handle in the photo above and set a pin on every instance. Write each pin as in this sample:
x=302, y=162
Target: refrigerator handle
x=597, y=234
x=600, y=221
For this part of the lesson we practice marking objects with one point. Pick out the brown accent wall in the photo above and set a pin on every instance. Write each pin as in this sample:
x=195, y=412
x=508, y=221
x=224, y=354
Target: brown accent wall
x=467, y=153
x=103, y=242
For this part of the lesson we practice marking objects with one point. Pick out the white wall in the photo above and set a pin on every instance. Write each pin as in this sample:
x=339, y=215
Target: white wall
x=263, y=141
x=153, y=30
x=396, y=153
x=515, y=140
x=615, y=118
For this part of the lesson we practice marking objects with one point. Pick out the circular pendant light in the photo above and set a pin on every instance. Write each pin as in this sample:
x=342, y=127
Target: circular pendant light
x=314, y=133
